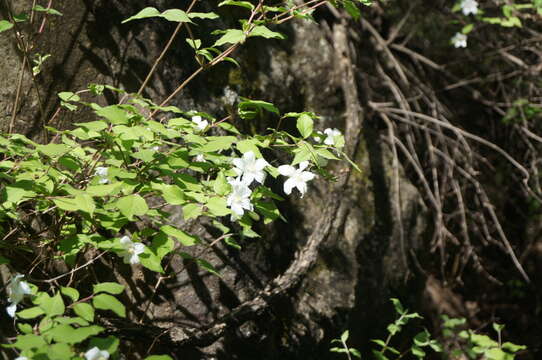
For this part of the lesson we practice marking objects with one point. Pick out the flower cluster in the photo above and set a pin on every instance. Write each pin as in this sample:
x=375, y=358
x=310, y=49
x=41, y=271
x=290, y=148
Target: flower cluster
x=459, y=40
x=250, y=169
x=17, y=289
x=102, y=172
x=297, y=178
x=469, y=7
x=331, y=136
x=96, y=354
x=200, y=123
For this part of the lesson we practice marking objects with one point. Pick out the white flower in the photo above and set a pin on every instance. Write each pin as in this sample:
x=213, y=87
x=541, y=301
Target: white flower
x=239, y=198
x=200, y=123
x=101, y=172
x=318, y=137
x=459, y=40
x=199, y=158
x=156, y=148
x=332, y=135
x=96, y=354
x=469, y=7
x=297, y=177
x=21, y=358
x=17, y=289
x=250, y=168
x=131, y=250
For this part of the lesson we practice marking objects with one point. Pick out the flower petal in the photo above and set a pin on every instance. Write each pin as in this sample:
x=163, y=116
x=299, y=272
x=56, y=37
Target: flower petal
x=286, y=170
x=12, y=309
x=307, y=176
x=139, y=248
x=303, y=165
x=261, y=164
x=249, y=157
x=238, y=163
x=134, y=259
x=125, y=241
x=289, y=185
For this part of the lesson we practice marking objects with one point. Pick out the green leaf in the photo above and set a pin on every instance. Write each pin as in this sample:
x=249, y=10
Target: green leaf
x=508, y=346
x=115, y=114
x=162, y=245
x=220, y=184
x=192, y=211
x=207, y=15
x=70, y=335
x=5, y=25
x=498, y=327
x=25, y=328
x=132, y=205
x=70, y=292
x=208, y=266
x=52, y=306
x=194, y=44
x=231, y=36
x=467, y=29
x=398, y=306
x=85, y=203
x=218, y=143
x=68, y=96
x=173, y=195
x=3, y=260
x=218, y=206
x=30, y=313
x=108, y=287
x=93, y=125
x=249, y=145
x=417, y=351
x=355, y=352
x=352, y=9
x=176, y=15
x=85, y=311
x=53, y=150
x=249, y=109
x=263, y=31
x=108, y=302
x=27, y=342
x=48, y=11
x=326, y=154
x=184, y=238
x=151, y=261
x=344, y=336
x=103, y=189
x=159, y=357
x=305, y=125
x=303, y=153
x=244, y=4
x=147, y=12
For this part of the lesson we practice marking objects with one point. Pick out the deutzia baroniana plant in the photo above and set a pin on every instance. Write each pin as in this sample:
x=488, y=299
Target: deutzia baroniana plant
x=136, y=167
